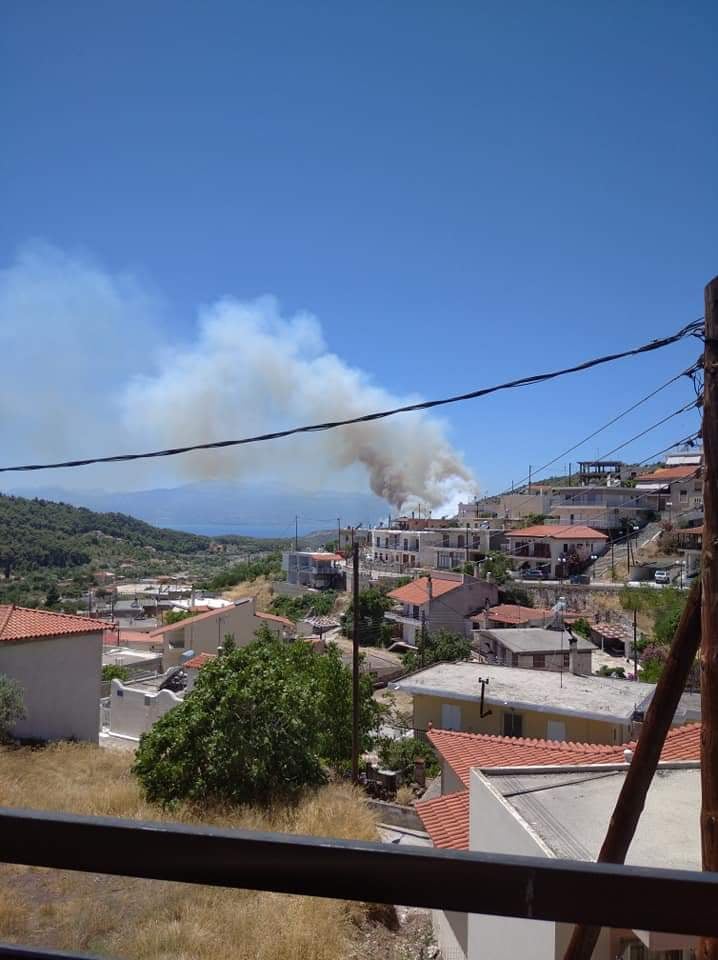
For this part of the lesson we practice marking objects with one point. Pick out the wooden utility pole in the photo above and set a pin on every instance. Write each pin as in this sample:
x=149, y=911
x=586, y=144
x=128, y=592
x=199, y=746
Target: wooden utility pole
x=339, y=533
x=708, y=949
x=355, y=660
x=296, y=534
x=639, y=774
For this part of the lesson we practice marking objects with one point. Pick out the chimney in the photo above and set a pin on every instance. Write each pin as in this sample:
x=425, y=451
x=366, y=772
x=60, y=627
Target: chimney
x=420, y=771
x=573, y=654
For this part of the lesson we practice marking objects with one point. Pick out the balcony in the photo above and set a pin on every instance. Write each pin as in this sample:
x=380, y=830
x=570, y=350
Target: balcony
x=536, y=888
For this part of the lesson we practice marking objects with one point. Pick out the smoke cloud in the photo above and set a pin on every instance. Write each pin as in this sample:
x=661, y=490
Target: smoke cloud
x=107, y=378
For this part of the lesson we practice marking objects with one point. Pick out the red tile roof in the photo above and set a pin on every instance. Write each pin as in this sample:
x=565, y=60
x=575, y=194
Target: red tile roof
x=196, y=663
x=188, y=621
x=285, y=621
x=667, y=473
x=417, y=592
x=557, y=531
x=24, y=623
x=325, y=556
x=446, y=818
x=693, y=531
x=462, y=751
x=514, y=613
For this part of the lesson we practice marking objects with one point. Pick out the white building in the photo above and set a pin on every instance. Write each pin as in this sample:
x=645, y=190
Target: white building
x=554, y=549
x=439, y=548
x=56, y=659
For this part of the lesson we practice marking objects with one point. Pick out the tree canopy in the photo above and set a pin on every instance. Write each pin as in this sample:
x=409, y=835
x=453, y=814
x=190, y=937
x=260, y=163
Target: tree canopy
x=373, y=604
x=12, y=705
x=259, y=725
x=440, y=646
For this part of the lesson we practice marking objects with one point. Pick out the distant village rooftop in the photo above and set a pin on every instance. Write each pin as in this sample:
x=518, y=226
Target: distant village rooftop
x=538, y=640
x=599, y=698
x=556, y=531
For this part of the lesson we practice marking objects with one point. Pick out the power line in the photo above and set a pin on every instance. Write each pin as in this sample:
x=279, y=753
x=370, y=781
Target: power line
x=690, y=330
x=689, y=372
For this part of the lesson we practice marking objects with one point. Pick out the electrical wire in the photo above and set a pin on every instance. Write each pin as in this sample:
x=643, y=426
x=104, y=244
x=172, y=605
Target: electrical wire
x=689, y=330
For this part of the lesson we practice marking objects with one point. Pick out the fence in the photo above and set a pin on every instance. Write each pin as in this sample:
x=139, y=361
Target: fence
x=671, y=901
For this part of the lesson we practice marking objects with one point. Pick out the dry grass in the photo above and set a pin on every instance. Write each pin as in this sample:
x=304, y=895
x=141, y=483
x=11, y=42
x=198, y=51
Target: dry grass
x=150, y=920
x=261, y=588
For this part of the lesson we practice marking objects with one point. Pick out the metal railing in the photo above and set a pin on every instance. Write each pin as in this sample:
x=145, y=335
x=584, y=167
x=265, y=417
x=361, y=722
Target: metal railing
x=671, y=901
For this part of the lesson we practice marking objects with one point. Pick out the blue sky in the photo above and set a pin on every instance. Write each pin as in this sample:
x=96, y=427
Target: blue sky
x=460, y=193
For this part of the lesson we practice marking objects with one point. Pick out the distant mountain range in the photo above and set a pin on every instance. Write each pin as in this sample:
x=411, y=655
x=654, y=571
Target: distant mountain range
x=214, y=509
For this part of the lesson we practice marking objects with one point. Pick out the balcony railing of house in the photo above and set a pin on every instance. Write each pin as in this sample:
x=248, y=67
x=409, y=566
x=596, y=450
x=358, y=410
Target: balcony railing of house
x=670, y=901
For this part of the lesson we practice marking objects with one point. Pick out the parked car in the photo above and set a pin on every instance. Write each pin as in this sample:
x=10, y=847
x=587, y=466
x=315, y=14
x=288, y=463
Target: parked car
x=662, y=576
x=532, y=574
x=580, y=578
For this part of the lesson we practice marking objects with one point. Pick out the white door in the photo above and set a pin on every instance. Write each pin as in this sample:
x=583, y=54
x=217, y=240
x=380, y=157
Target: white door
x=450, y=717
x=556, y=730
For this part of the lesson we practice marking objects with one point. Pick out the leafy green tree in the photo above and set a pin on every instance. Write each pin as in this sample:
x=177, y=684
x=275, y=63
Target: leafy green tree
x=264, y=633
x=582, y=627
x=400, y=754
x=497, y=565
x=440, y=646
x=176, y=616
x=229, y=644
x=113, y=671
x=373, y=604
x=256, y=728
x=335, y=705
x=516, y=594
x=52, y=599
x=12, y=705
x=308, y=604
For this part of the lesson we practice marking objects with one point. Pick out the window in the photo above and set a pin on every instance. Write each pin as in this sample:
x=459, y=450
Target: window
x=406, y=544
x=566, y=659
x=450, y=717
x=555, y=730
x=565, y=548
x=443, y=561
x=513, y=725
x=415, y=612
x=460, y=540
x=177, y=640
x=539, y=661
x=444, y=539
x=514, y=659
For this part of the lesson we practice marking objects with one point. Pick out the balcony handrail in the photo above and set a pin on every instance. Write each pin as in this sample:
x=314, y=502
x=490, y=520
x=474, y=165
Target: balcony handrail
x=610, y=895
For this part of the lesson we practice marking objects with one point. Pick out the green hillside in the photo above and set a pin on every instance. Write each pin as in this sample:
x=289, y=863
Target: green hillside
x=43, y=542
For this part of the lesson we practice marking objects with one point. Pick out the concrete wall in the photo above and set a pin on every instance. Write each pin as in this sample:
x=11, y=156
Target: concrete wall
x=133, y=712
x=427, y=709
x=60, y=678
x=495, y=828
x=554, y=661
x=204, y=636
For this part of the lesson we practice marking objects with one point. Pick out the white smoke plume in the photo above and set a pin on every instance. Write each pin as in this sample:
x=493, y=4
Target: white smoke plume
x=247, y=370
x=251, y=370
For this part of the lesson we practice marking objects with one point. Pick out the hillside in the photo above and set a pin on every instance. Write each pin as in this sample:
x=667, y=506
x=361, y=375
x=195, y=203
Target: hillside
x=43, y=542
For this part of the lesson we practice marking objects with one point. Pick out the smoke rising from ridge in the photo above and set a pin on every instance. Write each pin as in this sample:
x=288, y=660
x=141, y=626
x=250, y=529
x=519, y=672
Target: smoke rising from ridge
x=251, y=370
x=107, y=378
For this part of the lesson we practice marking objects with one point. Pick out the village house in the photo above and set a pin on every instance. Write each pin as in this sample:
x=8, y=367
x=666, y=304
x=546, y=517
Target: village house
x=443, y=601
x=606, y=509
x=536, y=648
x=503, y=795
x=512, y=615
x=554, y=549
x=440, y=548
x=318, y=571
x=485, y=698
x=205, y=632
x=56, y=659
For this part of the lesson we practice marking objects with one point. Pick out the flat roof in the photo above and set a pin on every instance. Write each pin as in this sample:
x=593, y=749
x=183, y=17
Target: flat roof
x=570, y=812
x=536, y=640
x=600, y=698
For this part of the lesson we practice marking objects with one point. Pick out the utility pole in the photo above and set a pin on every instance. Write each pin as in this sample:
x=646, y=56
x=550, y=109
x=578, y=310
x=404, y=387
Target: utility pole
x=635, y=647
x=339, y=533
x=467, y=543
x=708, y=949
x=529, y=490
x=423, y=638
x=296, y=534
x=613, y=567
x=355, y=660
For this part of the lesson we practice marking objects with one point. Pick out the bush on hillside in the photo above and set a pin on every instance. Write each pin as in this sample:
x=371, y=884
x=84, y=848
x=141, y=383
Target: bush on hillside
x=440, y=646
x=373, y=603
x=12, y=705
x=257, y=727
x=113, y=672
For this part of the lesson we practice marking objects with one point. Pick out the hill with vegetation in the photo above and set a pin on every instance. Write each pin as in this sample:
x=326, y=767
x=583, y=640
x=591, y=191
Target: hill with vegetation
x=43, y=542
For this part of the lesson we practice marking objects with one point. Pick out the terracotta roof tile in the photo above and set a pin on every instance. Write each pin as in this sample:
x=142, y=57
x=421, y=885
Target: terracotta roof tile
x=417, y=592
x=446, y=820
x=201, y=660
x=558, y=531
x=24, y=623
x=447, y=817
x=188, y=621
x=514, y=613
x=668, y=473
x=285, y=621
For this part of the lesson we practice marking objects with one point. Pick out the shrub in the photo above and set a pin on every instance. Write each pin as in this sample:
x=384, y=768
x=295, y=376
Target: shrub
x=113, y=672
x=256, y=727
x=373, y=604
x=582, y=627
x=441, y=645
x=401, y=754
x=12, y=706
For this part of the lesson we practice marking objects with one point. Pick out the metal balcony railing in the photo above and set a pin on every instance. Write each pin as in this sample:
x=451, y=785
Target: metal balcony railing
x=671, y=901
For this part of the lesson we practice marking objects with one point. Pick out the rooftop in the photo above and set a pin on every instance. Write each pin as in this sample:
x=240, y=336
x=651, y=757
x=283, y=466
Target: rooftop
x=462, y=751
x=274, y=618
x=514, y=613
x=667, y=473
x=196, y=663
x=446, y=818
x=570, y=812
x=189, y=621
x=417, y=592
x=600, y=698
x=557, y=531
x=537, y=640
x=24, y=623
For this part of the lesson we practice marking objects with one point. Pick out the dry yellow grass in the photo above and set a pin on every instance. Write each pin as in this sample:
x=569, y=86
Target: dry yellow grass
x=261, y=588
x=149, y=920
